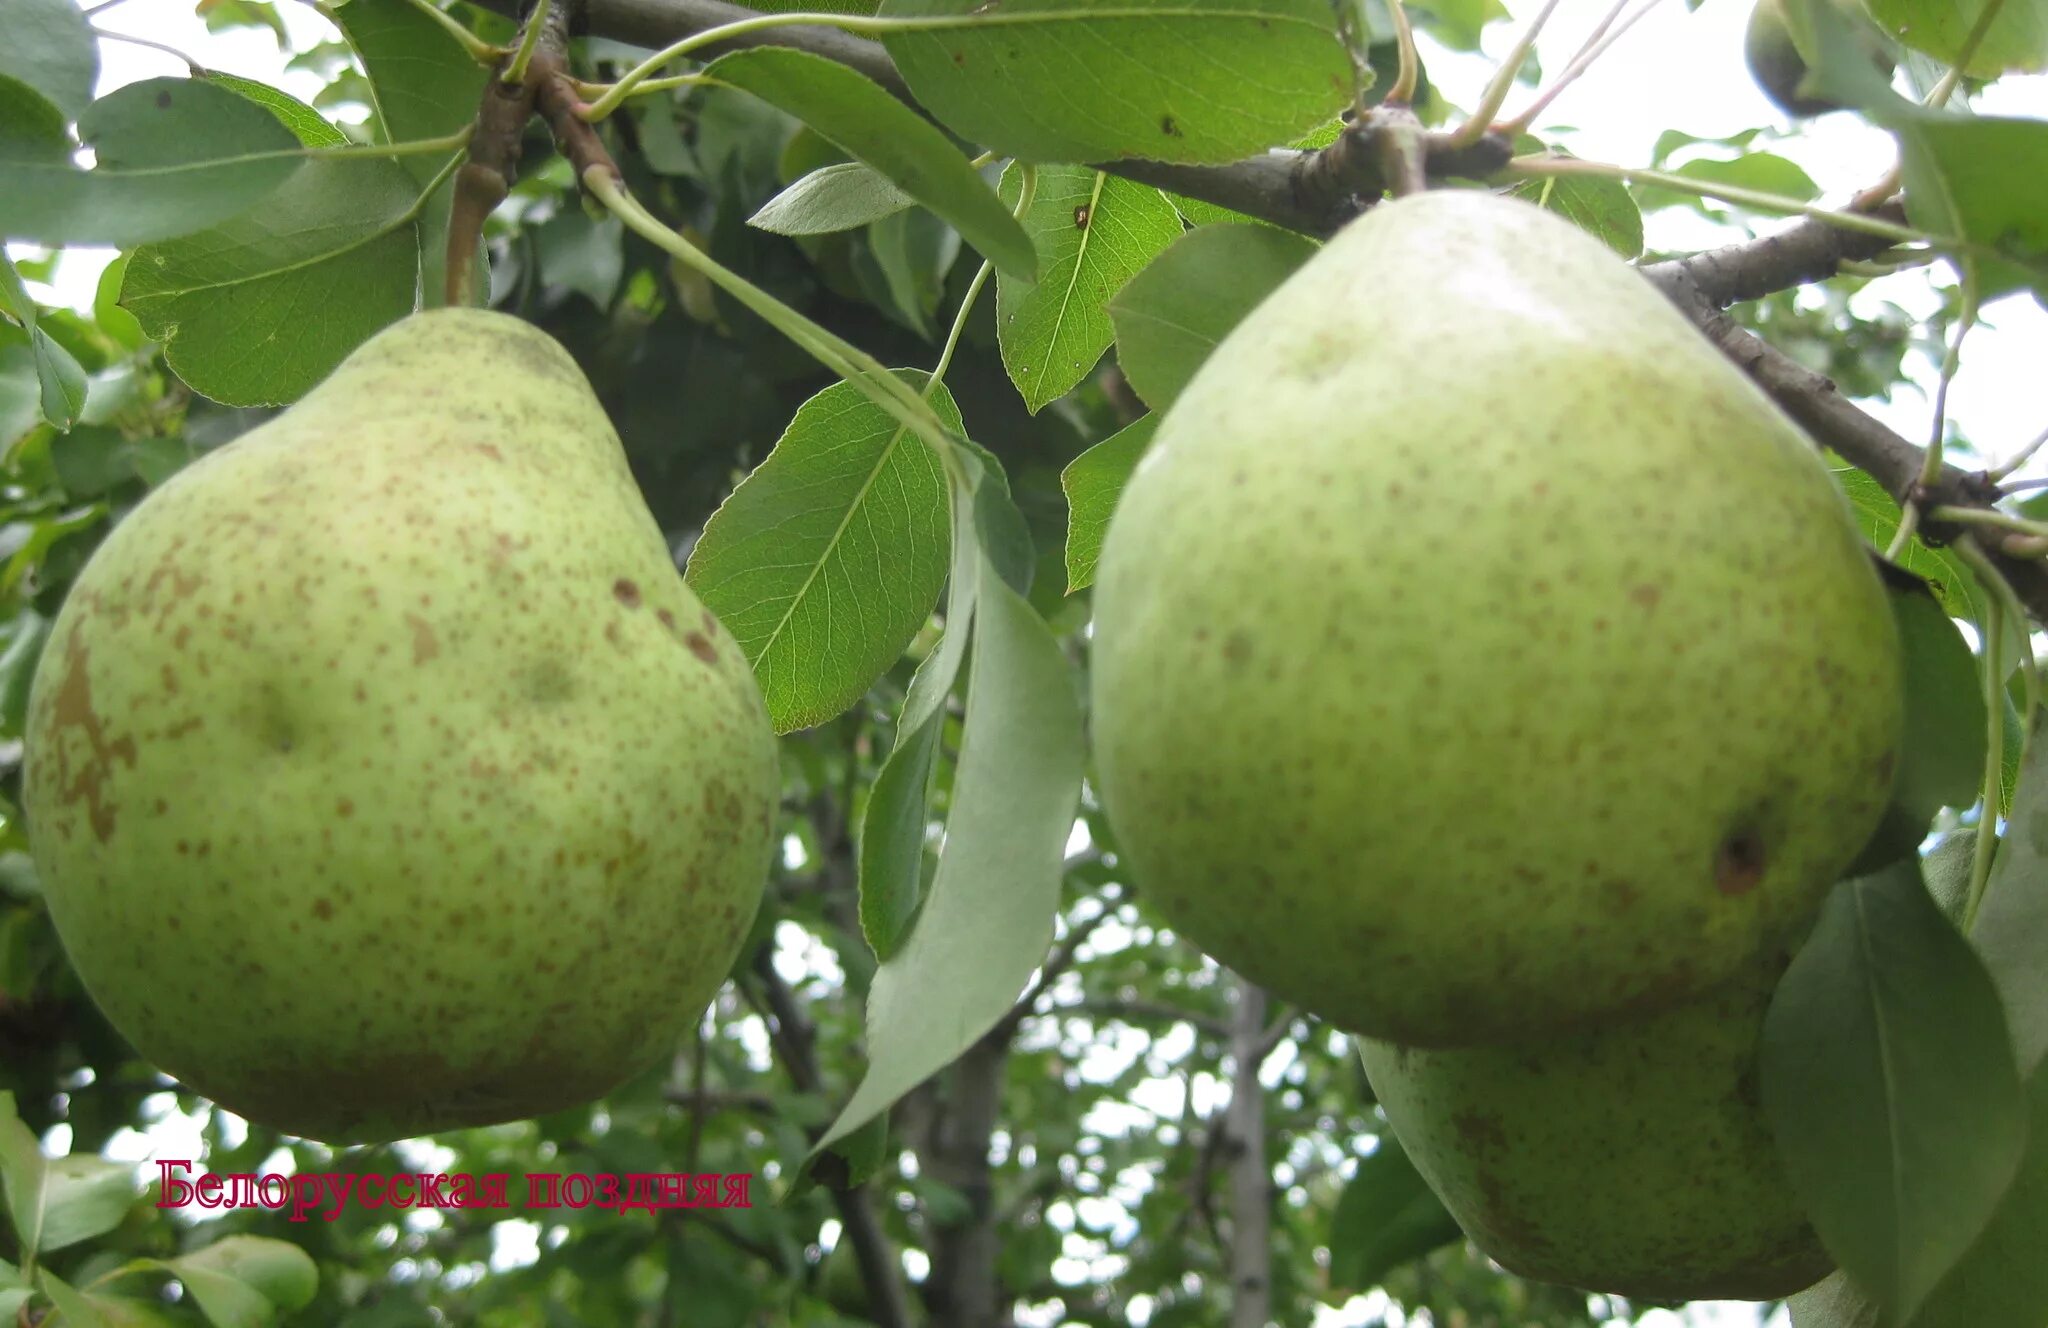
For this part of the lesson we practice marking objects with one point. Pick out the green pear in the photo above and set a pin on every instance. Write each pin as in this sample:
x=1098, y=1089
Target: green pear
x=1633, y=1160
x=384, y=777
x=1778, y=67
x=1478, y=654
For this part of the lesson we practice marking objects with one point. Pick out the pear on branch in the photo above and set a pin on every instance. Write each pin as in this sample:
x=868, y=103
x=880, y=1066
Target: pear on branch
x=384, y=776
x=1633, y=1160
x=1478, y=654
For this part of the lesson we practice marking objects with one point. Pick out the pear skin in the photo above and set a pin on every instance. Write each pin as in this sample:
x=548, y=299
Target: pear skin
x=1478, y=654
x=1634, y=1160
x=384, y=776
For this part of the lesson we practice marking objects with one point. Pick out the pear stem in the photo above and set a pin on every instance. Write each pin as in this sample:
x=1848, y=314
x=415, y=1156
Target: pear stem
x=481, y=51
x=515, y=69
x=1409, y=69
x=1503, y=81
x=1994, y=760
x=1978, y=31
x=1594, y=47
x=855, y=365
x=2020, y=458
x=1984, y=516
x=192, y=66
x=1951, y=360
x=418, y=147
x=1404, y=154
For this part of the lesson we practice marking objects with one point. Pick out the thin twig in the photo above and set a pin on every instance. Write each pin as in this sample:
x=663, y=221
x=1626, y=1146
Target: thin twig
x=1595, y=47
x=2020, y=458
x=1496, y=95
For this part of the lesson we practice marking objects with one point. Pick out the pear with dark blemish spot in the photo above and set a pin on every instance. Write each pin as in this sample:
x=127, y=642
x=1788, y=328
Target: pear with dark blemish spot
x=383, y=775
x=1478, y=654
x=1633, y=1160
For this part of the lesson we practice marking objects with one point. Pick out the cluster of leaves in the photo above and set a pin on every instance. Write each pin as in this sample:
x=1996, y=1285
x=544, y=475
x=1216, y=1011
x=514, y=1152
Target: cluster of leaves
x=827, y=562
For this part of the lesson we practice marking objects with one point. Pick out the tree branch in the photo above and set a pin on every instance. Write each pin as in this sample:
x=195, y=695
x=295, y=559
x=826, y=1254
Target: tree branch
x=1813, y=400
x=1315, y=192
x=1251, y=1177
x=794, y=1040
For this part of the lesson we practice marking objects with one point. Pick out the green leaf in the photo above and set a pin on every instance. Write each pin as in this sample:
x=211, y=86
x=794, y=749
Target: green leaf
x=1386, y=1216
x=1457, y=23
x=1763, y=171
x=1889, y=1082
x=892, y=831
x=913, y=251
x=87, y=1309
x=989, y=917
x=173, y=156
x=1600, y=207
x=2001, y=1283
x=1094, y=232
x=1004, y=534
x=258, y=310
x=1093, y=481
x=1984, y=178
x=2017, y=39
x=854, y=112
x=51, y=48
x=55, y=1202
x=2011, y=928
x=423, y=84
x=59, y=377
x=582, y=253
x=247, y=1279
x=1167, y=80
x=1171, y=315
x=1877, y=516
x=839, y=197
x=1941, y=752
x=307, y=125
x=826, y=561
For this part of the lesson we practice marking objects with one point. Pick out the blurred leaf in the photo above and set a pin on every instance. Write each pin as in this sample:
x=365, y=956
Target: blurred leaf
x=172, y=156
x=1889, y=1082
x=1093, y=482
x=1187, y=81
x=914, y=251
x=581, y=253
x=2011, y=928
x=1984, y=178
x=1765, y=172
x=50, y=47
x=989, y=918
x=1941, y=749
x=56, y=1202
x=1171, y=315
x=791, y=563
x=1386, y=1216
x=241, y=1280
x=1093, y=232
x=855, y=112
x=59, y=377
x=840, y=197
x=2017, y=39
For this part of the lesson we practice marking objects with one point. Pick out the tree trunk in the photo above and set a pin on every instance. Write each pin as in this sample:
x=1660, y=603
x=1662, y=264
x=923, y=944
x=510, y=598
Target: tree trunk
x=1251, y=1177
